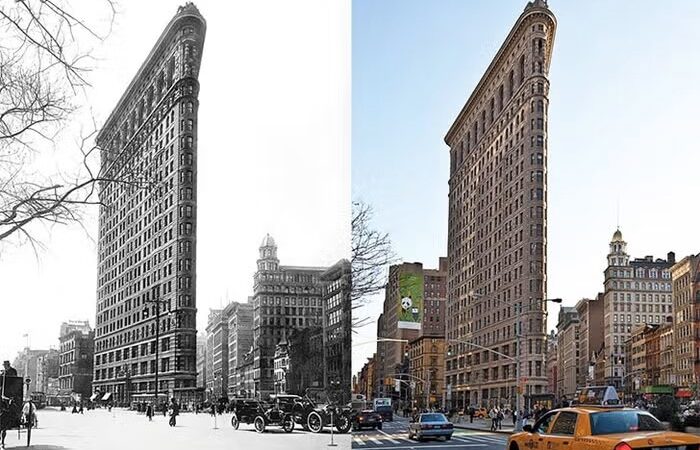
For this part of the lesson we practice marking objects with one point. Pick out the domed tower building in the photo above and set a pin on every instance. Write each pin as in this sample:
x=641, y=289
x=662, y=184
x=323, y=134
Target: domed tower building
x=637, y=293
x=285, y=299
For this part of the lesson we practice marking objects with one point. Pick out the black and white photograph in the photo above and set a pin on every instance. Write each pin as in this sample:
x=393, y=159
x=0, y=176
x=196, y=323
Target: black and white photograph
x=175, y=222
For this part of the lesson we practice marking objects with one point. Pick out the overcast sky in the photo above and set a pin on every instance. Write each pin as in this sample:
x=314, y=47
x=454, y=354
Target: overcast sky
x=273, y=157
x=622, y=127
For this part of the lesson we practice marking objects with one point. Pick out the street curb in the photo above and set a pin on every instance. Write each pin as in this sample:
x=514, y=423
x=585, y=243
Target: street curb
x=482, y=429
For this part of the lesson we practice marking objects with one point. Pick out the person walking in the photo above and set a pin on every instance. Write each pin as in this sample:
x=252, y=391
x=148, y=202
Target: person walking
x=471, y=414
x=149, y=411
x=492, y=416
x=174, y=411
x=8, y=370
x=499, y=417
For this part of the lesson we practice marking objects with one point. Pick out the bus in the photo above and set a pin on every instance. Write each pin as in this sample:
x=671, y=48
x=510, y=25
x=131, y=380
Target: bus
x=382, y=406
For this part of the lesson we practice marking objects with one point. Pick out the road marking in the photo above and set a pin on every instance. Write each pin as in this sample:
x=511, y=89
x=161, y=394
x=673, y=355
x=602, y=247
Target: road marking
x=358, y=441
x=388, y=437
x=375, y=440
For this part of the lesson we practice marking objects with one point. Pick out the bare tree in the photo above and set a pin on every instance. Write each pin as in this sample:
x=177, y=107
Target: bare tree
x=371, y=256
x=45, y=55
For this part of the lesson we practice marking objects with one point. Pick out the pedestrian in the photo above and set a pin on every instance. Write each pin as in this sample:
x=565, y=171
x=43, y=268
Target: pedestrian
x=8, y=370
x=75, y=409
x=471, y=414
x=80, y=410
x=492, y=416
x=165, y=410
x=174, y=411
x=149, y=411
x=500, y=417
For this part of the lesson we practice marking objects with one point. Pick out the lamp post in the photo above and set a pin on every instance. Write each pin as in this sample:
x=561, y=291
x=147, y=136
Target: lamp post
x=157, y=301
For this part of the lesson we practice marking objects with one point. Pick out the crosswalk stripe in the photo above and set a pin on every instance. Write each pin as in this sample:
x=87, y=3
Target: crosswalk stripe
x=358, y=441
x=376, y=441
x=388, y=437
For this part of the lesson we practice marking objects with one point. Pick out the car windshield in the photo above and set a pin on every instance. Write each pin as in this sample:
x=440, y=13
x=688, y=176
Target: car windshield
x=433, y=418
x=610, y=422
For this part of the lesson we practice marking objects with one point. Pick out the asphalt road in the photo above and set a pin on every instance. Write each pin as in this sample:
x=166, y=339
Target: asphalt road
x=123, y=429
x=394, y=435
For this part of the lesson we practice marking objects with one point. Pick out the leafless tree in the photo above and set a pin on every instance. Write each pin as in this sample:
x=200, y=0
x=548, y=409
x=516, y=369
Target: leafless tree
x=45, y=57
x=371, y=256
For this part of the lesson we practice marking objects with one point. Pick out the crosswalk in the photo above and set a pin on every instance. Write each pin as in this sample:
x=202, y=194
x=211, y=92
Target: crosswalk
x=399, y=440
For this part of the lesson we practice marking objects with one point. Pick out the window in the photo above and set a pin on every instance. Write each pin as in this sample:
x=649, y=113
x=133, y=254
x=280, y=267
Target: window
x=565, y=423
x=542, y=425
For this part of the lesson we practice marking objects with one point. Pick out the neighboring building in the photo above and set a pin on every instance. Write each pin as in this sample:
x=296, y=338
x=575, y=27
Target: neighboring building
x=638, y=371
x=147, y=232
x=281, y=366
x=365, y=379
x=47, y=367
x=427, y=369
x=552, y=364
x=599, y=360
x=246, y=370
x=392, y=353
x=77, y=353
x=286, y=298
x=686, y=309
x=667, y=375
x=73, y=325
x=337, y=331
x=636, y=292
x=497, y=227
x=240, y=343
x=305, y=359
x=569, y=352
x=435, y=292
x=217, y=346
x=590, y=313
x=380, y=379
x=26, y=364
x=201, y=360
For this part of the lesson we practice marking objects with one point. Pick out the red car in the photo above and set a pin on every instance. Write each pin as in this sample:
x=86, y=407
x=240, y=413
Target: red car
x=367, y=419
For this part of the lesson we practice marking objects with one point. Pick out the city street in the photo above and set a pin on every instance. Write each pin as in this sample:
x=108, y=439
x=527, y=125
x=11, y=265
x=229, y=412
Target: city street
x=394, y=435
x=123, y=429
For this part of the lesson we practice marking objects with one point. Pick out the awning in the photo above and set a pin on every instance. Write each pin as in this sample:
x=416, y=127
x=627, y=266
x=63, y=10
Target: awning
x=684, y=393
x=658, y=389
x=107, y=396
x=93, y=397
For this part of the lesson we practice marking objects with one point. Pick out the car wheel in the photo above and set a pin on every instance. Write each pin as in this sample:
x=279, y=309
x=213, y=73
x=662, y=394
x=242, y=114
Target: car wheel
x=235, y=423
x=314, y=422
x=259, y=424
x=288, y=424
x=343, y=425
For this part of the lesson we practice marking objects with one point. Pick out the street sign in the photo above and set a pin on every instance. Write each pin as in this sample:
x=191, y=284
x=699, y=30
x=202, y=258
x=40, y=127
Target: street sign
x=397, y=385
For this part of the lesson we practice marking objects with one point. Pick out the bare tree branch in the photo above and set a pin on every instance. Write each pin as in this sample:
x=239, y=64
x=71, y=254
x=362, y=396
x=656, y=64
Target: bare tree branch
x=371, y=256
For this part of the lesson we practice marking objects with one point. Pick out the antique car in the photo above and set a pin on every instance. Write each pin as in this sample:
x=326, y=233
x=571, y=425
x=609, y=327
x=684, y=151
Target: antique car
x=14, y=413
x=367, y=418
x=430, y=425
x=598, y=421
x=314, y=417
x=261, y=415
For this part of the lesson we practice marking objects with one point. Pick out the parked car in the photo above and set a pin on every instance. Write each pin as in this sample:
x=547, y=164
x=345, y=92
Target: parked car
x=430, y=425
x=367, y=419
x=261, y=415
x=314, y=417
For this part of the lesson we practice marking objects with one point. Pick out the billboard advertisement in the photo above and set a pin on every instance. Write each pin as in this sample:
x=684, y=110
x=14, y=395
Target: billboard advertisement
x=411, y=300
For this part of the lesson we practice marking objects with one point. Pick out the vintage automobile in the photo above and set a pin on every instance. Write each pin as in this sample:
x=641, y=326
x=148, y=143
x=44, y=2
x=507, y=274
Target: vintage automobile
x=598, y=421
x=314, y=417
x=430, y=425
x=14, y=413
x=367, y=418
x=261, y=415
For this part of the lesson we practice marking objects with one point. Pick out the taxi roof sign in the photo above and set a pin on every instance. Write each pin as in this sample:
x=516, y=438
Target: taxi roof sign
x=598, y=396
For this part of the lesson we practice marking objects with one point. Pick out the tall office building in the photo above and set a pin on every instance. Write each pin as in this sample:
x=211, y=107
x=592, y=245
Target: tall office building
x=147, y=224
x=497, y=227
x=636, y=292
x=686, y=325
x=240, y=342
x=286, y=298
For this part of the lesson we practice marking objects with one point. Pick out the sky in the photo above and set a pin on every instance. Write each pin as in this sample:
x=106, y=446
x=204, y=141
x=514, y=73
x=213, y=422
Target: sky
x=273, y=157
x=623, y=147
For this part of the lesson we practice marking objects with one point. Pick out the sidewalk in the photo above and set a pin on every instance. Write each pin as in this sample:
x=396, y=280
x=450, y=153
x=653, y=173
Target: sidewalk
x=483, y=425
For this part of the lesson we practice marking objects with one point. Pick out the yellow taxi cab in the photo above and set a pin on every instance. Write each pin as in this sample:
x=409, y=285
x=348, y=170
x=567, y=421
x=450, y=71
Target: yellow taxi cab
x=481, y=413
x=596, y=421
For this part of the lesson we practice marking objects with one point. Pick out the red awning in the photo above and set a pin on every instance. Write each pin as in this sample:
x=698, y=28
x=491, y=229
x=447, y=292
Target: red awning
x=684, y=393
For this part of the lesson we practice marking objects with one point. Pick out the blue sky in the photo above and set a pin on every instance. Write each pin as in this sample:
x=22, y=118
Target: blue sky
x=622, y=126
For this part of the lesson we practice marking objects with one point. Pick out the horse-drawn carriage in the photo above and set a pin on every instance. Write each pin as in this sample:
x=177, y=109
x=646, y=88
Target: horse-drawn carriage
x=14, y=413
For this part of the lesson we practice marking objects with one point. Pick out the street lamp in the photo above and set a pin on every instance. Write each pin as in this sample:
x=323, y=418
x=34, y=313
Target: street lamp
x=157, y=301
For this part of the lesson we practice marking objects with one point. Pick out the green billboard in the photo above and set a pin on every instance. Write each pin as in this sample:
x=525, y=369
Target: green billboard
x=410, y=300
